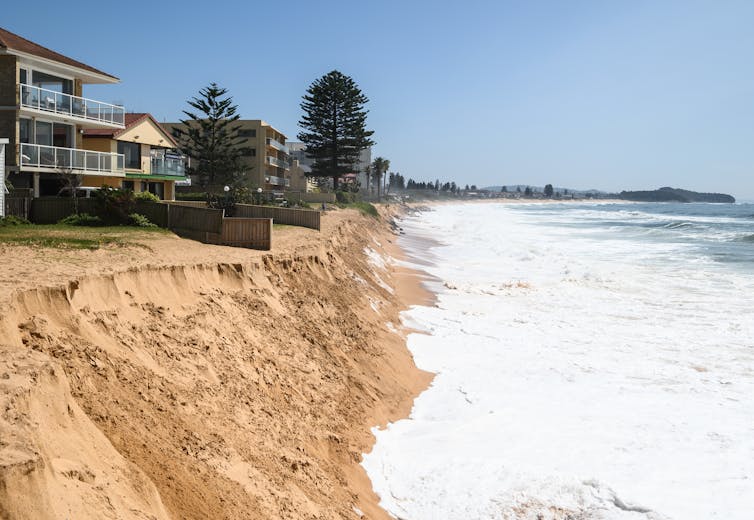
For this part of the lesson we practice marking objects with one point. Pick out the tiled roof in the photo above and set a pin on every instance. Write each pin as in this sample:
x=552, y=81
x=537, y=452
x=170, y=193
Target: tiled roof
x=11, y=41
x=131, y=119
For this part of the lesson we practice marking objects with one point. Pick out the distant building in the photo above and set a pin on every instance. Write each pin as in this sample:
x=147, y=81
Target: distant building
x=298, y=153
x=267, y=154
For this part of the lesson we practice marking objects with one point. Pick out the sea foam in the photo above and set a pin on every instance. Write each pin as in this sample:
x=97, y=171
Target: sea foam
x=581, y=373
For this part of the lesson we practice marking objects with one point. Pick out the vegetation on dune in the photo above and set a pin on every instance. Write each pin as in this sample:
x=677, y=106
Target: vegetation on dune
x=365, y=207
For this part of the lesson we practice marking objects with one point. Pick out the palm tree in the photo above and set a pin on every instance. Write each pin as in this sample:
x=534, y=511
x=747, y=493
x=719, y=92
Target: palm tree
x=380, y=166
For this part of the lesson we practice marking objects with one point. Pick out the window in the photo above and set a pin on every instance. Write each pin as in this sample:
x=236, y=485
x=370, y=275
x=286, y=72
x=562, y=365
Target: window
x=24, y=130
x=61, y=135
x=50, y=82
x=128, y=185
x=43, y=133
x=249, y=152
x=23, y=76
x=132, y=153
x=157, y=188
x=245, y=132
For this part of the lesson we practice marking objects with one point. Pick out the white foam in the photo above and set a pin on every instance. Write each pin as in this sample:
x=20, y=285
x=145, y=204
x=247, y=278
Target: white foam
x=575, y=375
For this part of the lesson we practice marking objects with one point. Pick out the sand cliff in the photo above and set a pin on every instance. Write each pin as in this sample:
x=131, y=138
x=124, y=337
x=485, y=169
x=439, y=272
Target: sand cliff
x=236, y=389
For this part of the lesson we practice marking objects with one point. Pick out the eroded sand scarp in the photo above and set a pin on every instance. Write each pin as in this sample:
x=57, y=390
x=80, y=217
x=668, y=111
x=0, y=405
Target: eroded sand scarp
x=218, y=390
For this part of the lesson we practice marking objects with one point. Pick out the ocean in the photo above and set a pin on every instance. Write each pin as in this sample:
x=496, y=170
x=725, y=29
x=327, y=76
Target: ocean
x=593, y=361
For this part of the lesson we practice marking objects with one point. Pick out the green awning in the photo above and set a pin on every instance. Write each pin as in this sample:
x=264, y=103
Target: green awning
x=150, y=177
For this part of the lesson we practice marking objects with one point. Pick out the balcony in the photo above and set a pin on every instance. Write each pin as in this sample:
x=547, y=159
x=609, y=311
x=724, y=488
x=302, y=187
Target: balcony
x=274, y=161
x=81, y=109
x=37, y=157
x=277, y=181
x=170, y=166
x=277, y=145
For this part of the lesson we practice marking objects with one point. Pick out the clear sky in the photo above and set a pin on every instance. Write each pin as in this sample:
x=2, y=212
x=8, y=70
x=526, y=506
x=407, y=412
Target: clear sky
x=599, y=94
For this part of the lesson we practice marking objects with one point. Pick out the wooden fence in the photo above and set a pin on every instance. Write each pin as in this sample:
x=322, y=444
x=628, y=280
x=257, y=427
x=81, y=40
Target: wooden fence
x=204, y=220
x=292, y=217
x=254, y=233
x=49, y=210
x=17, y=207
x=198, y=223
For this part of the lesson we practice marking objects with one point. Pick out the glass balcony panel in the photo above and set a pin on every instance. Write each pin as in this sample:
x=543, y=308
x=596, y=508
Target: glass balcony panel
x=91, y=161
x=29, y=155
x=277, y=145
x=83, y=161
x=66, y=104
x=168, y=166
x=63, y=157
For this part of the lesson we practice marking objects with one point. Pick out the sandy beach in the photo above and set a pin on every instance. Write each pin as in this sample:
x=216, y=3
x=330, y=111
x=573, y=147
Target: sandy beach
x=183, y=380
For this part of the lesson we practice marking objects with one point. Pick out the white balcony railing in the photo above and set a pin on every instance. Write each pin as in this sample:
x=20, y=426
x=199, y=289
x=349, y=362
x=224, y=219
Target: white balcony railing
x=274, y=161
x=71, y=106
x=277, y=181
x=277, y=145
x=79, y=161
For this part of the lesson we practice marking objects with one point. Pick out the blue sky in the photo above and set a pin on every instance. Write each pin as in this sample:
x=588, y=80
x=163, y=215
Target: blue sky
x=582, y=94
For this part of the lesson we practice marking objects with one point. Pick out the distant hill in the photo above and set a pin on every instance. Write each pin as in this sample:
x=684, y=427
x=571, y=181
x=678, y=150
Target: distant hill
x=674, y=195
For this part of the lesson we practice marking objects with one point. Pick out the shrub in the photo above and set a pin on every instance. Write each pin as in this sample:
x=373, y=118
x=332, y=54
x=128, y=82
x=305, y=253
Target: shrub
x=12, y=220
x=146, y=196
x=81, y=219
x=193, y=195
x=367, y=209
x=138, y=220
x=345, y=197
x=114, y=205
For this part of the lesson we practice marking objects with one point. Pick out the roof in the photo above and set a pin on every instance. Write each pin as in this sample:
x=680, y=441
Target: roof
x=131, y=120
x=14, y=42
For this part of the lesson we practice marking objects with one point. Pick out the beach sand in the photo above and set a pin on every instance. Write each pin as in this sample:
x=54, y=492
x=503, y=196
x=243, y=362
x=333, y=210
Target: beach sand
x=183, y=380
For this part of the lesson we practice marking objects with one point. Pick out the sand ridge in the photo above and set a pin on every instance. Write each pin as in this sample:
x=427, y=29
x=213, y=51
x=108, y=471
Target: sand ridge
x=241, y=386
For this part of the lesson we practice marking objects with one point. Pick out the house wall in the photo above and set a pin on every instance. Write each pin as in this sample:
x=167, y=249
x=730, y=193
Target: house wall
x=99, y=144
x=96, y=181
x=146, y=133
x=8, y=105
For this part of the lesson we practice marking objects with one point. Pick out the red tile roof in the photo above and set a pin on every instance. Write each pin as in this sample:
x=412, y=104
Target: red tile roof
x=11, y=41
x=131, y=119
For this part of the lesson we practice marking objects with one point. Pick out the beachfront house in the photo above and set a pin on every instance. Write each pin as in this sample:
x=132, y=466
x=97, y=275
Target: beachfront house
x=44, y=115
x=151, y=160
x=265, y=154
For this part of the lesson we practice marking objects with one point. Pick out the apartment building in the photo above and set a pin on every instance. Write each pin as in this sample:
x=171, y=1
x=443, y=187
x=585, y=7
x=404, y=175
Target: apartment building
x=265, y=154
x=43, y=114
x=151, y=160
x=299, y=158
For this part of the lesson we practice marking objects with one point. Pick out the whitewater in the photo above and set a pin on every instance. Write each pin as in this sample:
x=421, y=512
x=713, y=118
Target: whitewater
x=593, y=361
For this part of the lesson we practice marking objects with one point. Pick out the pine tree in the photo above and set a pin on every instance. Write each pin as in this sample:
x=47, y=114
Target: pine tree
x=334, y=125
x=210, y=138
x=548, y=190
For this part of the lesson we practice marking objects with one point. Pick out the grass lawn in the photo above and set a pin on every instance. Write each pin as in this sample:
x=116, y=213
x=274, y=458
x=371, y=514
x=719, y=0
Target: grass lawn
x=76, y=237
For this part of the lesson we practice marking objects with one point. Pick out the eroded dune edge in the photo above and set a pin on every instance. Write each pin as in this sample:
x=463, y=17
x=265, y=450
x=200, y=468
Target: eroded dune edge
x=219, y=390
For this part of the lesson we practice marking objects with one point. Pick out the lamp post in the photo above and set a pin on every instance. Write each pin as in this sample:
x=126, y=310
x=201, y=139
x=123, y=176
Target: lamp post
x=259, y=196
